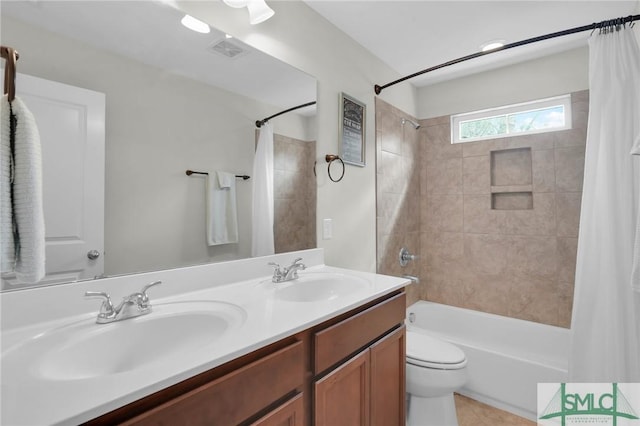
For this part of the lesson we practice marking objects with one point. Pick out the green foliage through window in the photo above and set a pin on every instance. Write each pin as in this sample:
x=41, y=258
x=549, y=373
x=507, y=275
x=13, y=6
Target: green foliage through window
x=531, y=117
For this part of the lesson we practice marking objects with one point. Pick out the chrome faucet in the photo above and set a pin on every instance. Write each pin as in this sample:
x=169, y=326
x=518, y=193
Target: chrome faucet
x=288, y=273
x=134, y=305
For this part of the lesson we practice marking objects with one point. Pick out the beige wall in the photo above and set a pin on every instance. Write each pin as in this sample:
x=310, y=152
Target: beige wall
x=294, y=194
x=157, y=126
x=540, y=78
x=299, y=36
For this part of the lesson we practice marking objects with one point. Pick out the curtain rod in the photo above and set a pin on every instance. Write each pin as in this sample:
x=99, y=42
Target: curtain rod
x=259, y=123
x=592, y=27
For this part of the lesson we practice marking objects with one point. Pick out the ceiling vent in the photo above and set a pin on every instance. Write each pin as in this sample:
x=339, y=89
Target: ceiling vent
x=228, y=49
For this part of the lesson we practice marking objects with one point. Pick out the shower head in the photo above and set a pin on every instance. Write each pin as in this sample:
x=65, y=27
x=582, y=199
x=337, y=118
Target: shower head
x=413, y=123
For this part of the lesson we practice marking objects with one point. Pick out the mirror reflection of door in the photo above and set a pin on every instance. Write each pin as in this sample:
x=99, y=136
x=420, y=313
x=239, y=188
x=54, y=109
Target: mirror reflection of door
x=71, y=123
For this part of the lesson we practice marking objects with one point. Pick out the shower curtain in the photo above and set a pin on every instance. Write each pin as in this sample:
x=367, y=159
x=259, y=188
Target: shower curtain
x=605, y=331
x=262, y=195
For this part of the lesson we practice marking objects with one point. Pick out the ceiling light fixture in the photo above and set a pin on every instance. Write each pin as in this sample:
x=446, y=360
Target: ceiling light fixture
x=195, y=24
x=259, y=11
x=236, y=3
x=492, y=45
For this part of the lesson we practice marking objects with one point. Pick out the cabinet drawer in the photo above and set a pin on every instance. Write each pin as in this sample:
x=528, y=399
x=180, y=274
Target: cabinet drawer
x=337, y=342
x=236, y=396
x=291, y=413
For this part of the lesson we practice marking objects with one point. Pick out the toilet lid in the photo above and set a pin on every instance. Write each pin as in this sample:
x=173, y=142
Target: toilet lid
x=427, y=351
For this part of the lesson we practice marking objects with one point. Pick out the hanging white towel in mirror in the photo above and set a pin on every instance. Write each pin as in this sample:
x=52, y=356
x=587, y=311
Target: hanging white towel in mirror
x=222, y=217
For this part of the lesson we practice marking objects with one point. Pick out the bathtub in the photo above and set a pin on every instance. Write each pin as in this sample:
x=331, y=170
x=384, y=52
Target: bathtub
x=507, y=357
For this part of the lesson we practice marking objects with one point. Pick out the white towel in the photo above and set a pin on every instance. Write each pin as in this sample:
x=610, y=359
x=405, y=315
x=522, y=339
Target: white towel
x=222, y=217
x=7, y=249
x=26, y=205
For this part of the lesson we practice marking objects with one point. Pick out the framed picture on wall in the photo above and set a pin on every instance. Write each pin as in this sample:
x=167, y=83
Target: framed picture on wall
x=352, y=130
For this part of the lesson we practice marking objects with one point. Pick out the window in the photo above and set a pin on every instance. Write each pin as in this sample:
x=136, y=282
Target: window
x=544, y=115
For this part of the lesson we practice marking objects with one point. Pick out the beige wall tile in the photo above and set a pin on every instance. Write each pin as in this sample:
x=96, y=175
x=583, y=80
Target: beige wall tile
x=508, y=262
x=487, y=293
x=391, y=177
x=435, y=121
x=567, y=252
x=579, y=114
x=515, y=200
x=534, y=300
x=443, y=212
x=486, y=254
x=544, y=171
x=568, y=213
x=565, y=303
x=569, y=169
x=532, y=257
x=437, y=142
x=511, y=167
x=538, y=141
x=541, y=220
x=443, y=249
x=444, y=176
x=479, y=218
x=476, y=175
x=445, y=286
x=482, y=148
x=573, y=137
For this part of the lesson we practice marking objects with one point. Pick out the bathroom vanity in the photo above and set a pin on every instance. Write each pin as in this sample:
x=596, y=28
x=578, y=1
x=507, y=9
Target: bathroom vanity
x=327, y=348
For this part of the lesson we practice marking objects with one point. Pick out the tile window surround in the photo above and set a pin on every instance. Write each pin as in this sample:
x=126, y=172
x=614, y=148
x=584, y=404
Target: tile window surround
x=294, y=194
x=514, y=262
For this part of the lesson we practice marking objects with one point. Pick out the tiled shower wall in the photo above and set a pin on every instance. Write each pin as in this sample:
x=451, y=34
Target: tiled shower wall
x=294, y=194
x=397, y=194
x=517, y=260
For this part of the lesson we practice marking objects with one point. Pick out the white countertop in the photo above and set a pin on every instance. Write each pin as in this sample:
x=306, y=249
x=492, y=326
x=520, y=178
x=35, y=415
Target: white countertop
x=28, y=398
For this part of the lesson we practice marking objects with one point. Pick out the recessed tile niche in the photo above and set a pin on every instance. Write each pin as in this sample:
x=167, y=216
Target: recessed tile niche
x=511, y=179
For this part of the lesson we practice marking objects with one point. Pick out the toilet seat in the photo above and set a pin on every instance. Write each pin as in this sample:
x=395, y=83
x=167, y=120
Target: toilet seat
x=429, y=352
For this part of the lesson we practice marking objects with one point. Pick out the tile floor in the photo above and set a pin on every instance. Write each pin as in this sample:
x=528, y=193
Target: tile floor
x=473, y=413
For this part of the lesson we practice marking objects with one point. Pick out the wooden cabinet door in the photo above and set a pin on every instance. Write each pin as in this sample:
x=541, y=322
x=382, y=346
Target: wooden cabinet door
x=291, y=413
x=388, y=380
x=342, y=397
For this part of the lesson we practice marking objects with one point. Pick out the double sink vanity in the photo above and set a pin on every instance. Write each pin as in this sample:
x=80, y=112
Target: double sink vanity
x=218, y=344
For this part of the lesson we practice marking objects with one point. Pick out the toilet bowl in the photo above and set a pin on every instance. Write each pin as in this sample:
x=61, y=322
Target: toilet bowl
x=435, y=369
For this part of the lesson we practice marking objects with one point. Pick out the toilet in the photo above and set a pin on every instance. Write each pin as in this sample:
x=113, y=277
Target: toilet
x=435, y=369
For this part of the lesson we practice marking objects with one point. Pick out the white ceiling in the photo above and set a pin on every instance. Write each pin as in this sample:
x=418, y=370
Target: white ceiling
x=410, y=36
x=407, y=35
x=150, y=32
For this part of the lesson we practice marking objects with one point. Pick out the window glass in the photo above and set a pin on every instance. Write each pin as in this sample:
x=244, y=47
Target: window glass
x=539, y=116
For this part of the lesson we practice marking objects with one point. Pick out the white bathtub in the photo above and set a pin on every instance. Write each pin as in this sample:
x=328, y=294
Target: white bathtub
x=507, y=357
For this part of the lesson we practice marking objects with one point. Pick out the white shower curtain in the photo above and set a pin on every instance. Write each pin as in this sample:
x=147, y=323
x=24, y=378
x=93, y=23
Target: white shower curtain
x=605, y=339
x=262, y=203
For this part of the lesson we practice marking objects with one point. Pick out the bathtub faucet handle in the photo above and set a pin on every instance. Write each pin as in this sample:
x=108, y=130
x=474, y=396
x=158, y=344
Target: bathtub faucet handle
x=405, y=256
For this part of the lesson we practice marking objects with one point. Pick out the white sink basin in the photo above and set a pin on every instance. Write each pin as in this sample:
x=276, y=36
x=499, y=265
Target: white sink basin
x=84, y=349
x=320, y=286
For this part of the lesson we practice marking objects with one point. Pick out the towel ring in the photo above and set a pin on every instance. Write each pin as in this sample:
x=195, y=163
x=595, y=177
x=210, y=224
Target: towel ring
x=330, y=158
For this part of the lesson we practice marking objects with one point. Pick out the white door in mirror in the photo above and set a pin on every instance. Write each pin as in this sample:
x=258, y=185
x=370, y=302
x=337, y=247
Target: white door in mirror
x=71, y=123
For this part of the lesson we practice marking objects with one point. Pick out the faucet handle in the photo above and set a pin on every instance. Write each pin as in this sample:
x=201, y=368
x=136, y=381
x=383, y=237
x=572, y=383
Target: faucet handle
x=296, y=261
x=106, y=309
x=143, y=292
x=274, y=264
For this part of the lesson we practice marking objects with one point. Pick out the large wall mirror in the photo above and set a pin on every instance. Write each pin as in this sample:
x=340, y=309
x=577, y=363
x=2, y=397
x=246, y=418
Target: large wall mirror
x=172, y=100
